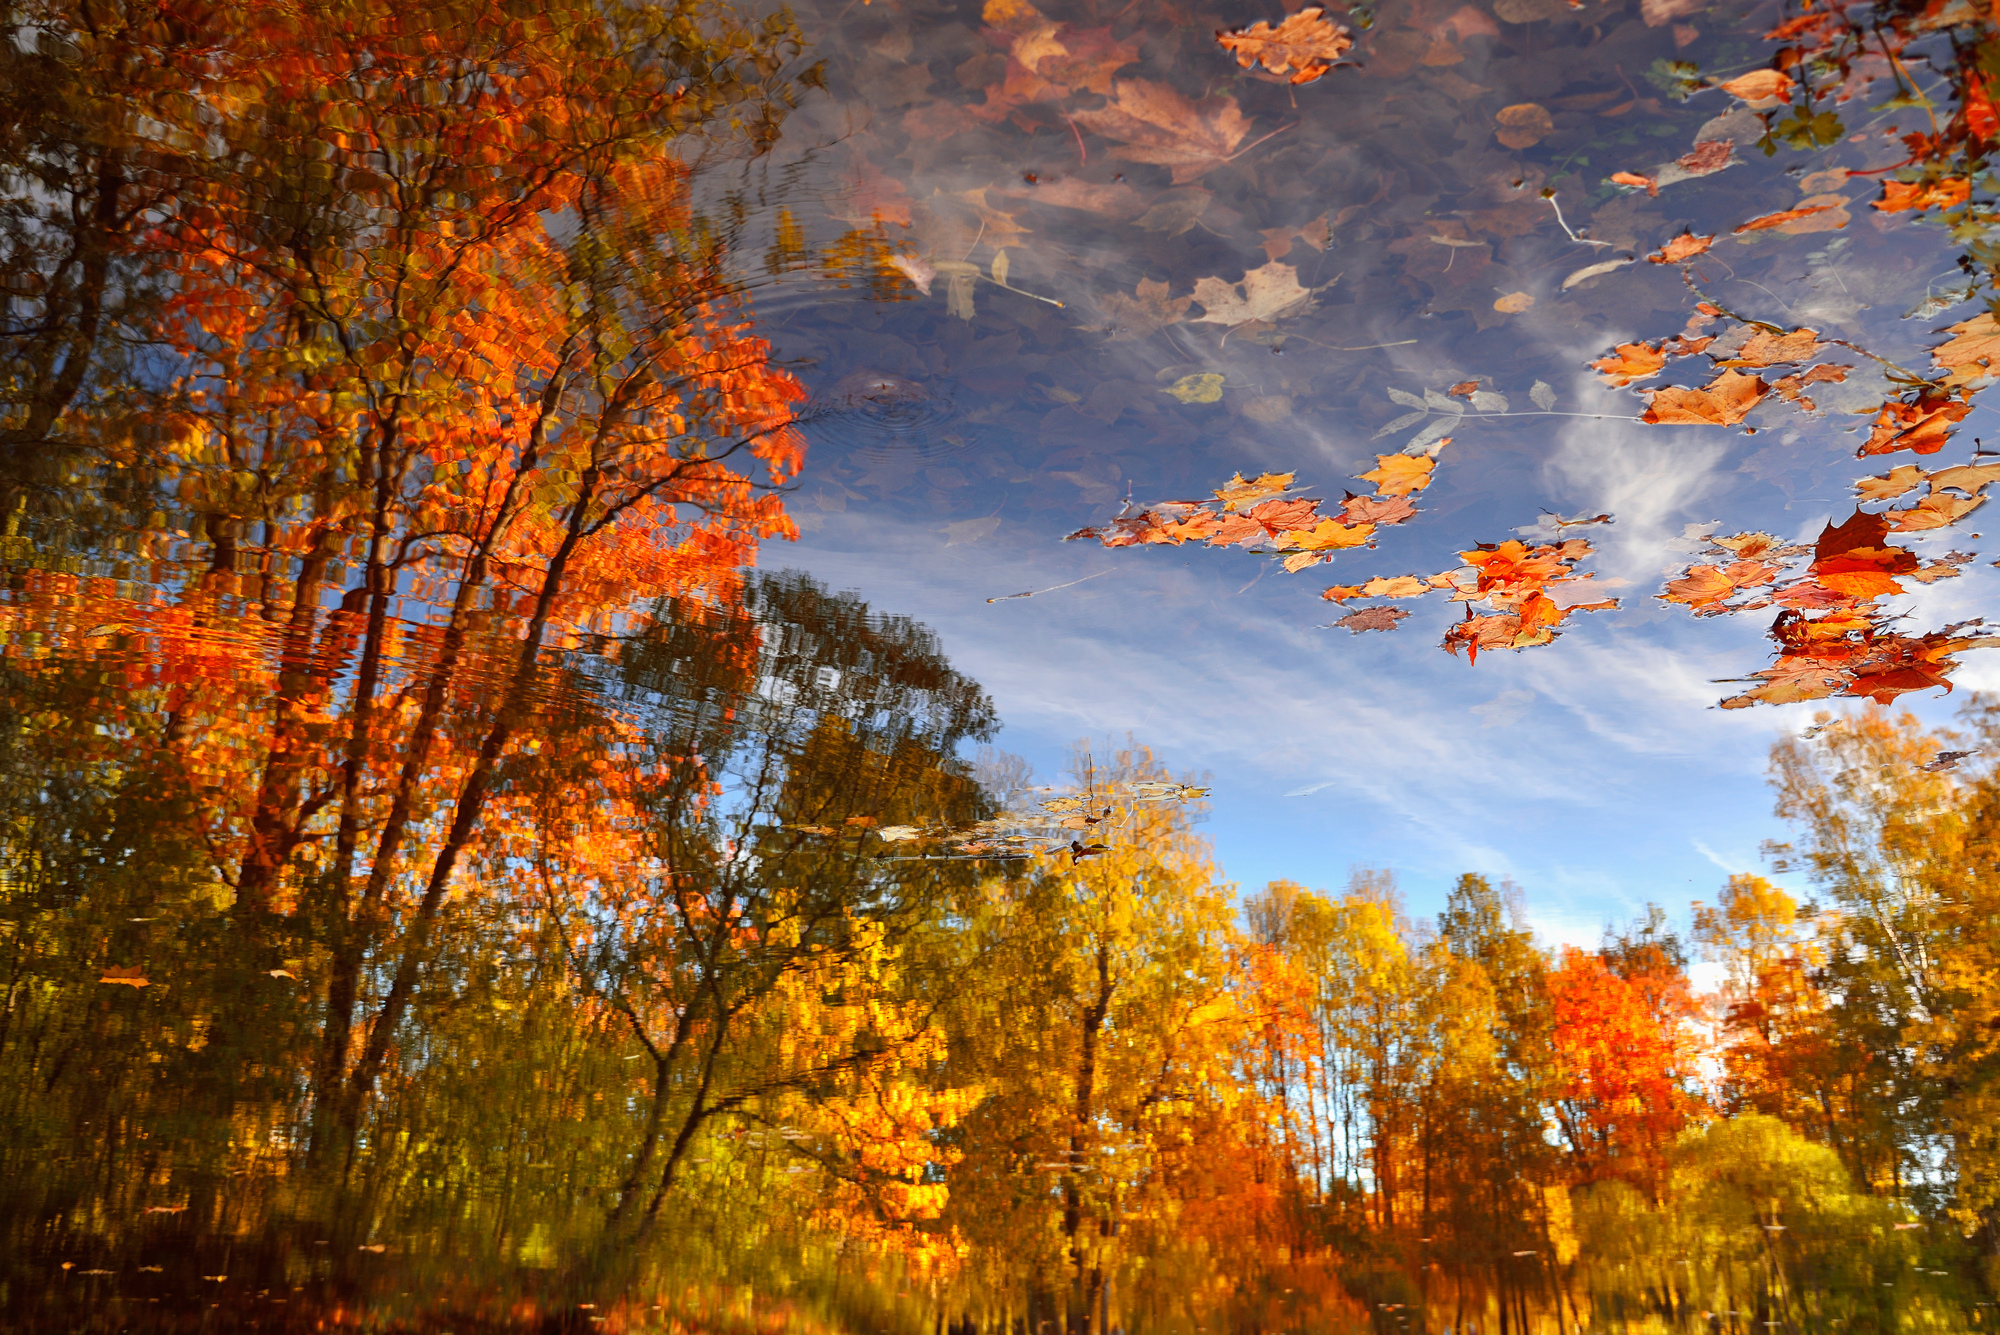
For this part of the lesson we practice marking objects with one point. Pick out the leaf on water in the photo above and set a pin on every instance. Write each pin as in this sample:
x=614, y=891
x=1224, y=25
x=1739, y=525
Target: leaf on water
x=1933, y=512
x=1649, y=184
x=1682, y=248
x=1590, y=271
x=1791, y=388
x=1892, y=484
x=1762, y=89
x=1399, y=474
x=1779, y=219
x=1378, y=509
x=1523, y=125
x=128, y=975
x=1269, y=293
x=1382, y=586
x=1724, y=401
x=998, y=268
x=1542, y=396
x=1304, y=46
x=1971, y=352
x=1514, y=303
x=1487, y=401
x=1764, y=348
x=1329, y=535
x=1203, y=387
x=1155, y=123
x=1150, y=309
x=1238, y=493
x=1968, y=478
x=1629, y=362
x=1709, y=156
x=1899, y=196
x=1409, y=400
x=282, y=973
x=1922, y=425
x=1372, y=618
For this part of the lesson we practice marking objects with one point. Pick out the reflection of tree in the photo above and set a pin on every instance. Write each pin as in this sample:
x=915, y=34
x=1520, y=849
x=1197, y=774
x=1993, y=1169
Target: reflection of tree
x=751, y=961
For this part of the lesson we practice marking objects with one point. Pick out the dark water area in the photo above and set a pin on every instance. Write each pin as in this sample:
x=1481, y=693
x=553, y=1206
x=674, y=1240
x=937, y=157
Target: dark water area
x=910, y=665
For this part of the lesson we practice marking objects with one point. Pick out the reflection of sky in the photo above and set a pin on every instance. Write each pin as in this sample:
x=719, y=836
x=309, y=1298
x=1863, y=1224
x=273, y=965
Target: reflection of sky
x=1595, y=771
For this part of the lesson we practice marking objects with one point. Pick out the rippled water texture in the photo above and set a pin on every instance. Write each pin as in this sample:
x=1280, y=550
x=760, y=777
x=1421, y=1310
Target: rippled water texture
x=1423, y=251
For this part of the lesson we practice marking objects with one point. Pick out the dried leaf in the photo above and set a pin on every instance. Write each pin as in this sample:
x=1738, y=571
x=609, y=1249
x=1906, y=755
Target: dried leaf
x=1304, y=46
x=1921, y=426
x=1542, y=396
x=1724, y=401
x=1593, y=270
x=1891, y=485
x=1372, y=618
x=1269, y=293
x=1649, y=184
x=128, y=975
x=1399, y=474
x=1771, y=220
x=1968, y=478
x=1760, y=88
x=1932, y=512
x=1682, y=248
x=1240, y=493
x=1514, y=303
x=1898, y=196
x=1971, y=352
x=1327, y=536
x=1630, y=362
x=1764, y=348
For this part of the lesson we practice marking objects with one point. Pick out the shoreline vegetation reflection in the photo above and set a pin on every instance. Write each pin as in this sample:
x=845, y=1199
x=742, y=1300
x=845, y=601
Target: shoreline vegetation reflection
x=454, y=876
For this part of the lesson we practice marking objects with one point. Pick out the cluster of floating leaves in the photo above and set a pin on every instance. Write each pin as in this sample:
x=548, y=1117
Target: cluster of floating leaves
x=1077, y=824
x=1261, y=514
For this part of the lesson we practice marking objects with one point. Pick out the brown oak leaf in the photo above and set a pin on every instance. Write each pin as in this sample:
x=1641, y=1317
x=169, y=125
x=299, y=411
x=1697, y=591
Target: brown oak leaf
x=1372, y=618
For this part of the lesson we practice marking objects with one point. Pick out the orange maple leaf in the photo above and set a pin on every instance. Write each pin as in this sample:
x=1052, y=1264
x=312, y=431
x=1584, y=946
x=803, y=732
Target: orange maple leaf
x=1898, y=196
x=1629, y=362
x=1399, y=474
x=1723, y=401
x=1682, y=248
x=1921, y=426
x=1304, y=46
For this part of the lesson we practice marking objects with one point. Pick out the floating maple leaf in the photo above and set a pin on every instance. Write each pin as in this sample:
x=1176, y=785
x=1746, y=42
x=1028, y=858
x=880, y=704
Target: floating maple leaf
x=1935, y=511
x=1899, y=196
x=1154, y=123
x=1724, y=401
x=1970, y=354
x=1891, y=485
x=1238, y=493
x=1305, y=46
x=1382, y=586
x=1399, y=474
x=128, y=975
x=1372, y=618
x=1922, y=425
x=1760, y=88
x=1682, y=248
x=1766, y=348
x=1629, y=362
x=1269, y=293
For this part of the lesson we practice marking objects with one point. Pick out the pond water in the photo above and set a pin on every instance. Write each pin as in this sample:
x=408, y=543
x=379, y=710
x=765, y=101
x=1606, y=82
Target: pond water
x=657, y=658
x=1435, y=212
